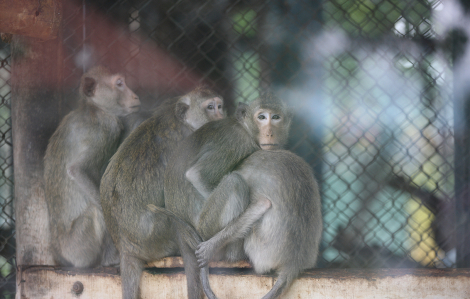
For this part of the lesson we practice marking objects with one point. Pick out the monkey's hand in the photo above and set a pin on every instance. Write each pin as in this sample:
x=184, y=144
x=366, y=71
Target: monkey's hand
x=204, y=252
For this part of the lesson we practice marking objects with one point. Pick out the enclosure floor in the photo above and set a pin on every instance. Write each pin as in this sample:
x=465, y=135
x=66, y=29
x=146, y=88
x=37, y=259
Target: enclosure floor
x=55, y=282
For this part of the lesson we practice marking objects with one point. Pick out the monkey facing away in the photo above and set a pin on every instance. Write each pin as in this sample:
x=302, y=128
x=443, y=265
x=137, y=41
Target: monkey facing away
x=76, y=156
x=132, y=191
x=282, y=224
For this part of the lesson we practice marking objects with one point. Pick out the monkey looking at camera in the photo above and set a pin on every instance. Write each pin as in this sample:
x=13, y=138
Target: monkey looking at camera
x=132, y=191
x=216, y=149
x=76, y=156
x=281, y=226
x=202, y=159
x=260, y=205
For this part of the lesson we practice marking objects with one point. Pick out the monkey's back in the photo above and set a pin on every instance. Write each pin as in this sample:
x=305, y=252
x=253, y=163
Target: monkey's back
x=81, y=130
x=134, y=177
x=289, y=233
x=78, y=131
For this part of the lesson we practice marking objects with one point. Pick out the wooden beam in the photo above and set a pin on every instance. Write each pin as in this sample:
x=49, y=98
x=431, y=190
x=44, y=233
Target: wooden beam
x=36, y=81
x=35, y=18
x=52, y=282
x=177, y=262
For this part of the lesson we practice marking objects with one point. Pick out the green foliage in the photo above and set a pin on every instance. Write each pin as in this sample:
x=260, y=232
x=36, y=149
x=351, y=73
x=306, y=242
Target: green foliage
x=244, y=23
x=375, y=18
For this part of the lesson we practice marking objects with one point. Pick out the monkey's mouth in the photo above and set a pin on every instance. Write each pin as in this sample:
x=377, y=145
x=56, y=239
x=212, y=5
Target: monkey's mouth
x=269, y=146
x=134, y=108
x=130, y=109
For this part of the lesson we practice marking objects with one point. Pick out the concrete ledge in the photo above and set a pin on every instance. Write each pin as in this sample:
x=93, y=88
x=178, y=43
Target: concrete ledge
x=54, y=282
x=177, y=262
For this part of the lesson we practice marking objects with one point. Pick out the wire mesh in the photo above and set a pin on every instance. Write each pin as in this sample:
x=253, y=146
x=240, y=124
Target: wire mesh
x=7, y=222
x=370, y=82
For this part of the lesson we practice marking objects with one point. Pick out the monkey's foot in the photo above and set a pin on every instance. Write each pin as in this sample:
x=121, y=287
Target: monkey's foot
x=204, y=252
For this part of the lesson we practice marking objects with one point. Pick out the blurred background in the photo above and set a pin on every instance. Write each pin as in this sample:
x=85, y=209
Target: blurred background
x=379, y=89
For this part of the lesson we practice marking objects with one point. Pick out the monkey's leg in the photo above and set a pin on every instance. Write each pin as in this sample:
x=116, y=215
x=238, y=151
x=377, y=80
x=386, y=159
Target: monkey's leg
x=82, y=245
x=110, y=252
x=186, y=231
x=131, y=271
x=236, y=229
x=284, y=281
x=227, y=202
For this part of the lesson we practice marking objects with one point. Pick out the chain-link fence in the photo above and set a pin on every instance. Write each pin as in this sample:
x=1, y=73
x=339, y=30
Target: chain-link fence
x=371, y=83
x=7, y=222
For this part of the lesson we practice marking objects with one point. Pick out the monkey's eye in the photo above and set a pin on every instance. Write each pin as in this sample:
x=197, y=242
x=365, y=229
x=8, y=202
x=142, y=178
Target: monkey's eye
x=275, y=116
x=119, y=82
x=210, y=107
x=220, y=106
x=261, y=116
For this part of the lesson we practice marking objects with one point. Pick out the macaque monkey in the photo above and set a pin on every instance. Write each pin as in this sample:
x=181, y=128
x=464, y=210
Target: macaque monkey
x=281, y=226
x=132, y=192
x=75, y=159
x=202, y=160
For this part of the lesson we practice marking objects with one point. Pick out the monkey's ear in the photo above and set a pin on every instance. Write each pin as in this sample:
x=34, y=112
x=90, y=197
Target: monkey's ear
x=89, y=85
x=241, y=110
x=182, y=107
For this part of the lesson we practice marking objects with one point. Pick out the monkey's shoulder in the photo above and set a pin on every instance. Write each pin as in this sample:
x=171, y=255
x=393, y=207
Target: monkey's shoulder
x=72, y=129
x=222, y=131
x=225, y=123
x=153, y=137
x=91, y=118
x=281, y=162
x=162, y=123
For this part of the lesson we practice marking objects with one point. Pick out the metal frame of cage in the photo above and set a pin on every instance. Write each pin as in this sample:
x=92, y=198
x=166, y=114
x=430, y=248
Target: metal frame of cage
x=372, y=86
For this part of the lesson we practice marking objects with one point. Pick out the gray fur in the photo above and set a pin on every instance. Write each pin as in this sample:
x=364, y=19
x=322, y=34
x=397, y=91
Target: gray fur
x=282, y=225
x=76, y=156
x=202, y=160
x=132, y=194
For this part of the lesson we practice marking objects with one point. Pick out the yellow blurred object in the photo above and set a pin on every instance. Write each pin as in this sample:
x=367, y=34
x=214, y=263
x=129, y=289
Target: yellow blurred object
x=421, y=244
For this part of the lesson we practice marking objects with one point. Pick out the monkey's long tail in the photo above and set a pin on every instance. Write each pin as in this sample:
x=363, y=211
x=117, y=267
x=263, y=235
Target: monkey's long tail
x=205, y=283
x=191, y=237
x=284, y=280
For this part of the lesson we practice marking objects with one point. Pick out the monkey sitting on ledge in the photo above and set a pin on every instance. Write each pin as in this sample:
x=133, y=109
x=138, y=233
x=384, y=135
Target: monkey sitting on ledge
x=202, y=188
x=132, y=191
x=75, y=159
x=281, y=226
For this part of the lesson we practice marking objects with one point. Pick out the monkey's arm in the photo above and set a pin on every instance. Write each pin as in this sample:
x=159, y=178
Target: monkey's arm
x=81, y=173
x=237, y=229
x=217, y=160
x=194, y=176
x=227, y=202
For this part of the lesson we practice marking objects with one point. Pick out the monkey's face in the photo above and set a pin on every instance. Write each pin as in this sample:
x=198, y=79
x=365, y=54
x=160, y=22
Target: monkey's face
x=127, y=99
x=273, y=128
x=203, y=111
x=213, y=108
x=115, y=96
